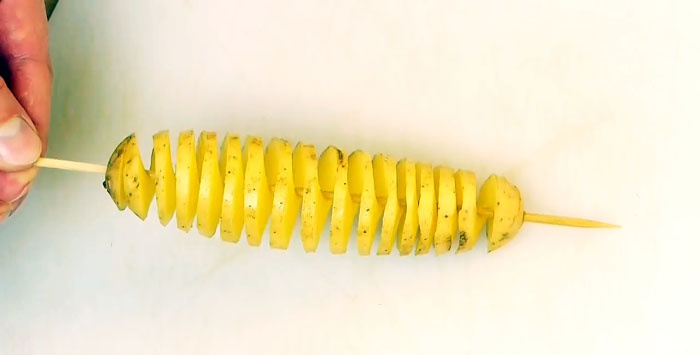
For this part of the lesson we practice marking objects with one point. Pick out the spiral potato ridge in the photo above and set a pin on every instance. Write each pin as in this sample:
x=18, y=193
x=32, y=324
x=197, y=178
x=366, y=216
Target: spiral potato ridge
x=242, y=186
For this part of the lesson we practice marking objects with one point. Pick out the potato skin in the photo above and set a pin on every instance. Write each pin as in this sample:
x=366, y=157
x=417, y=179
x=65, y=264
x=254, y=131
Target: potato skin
x=114, y=175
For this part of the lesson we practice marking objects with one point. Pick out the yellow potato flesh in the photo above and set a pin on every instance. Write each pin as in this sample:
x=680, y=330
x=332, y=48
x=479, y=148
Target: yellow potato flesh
x=470, y=223
x=408, y=195
x=502, y=200
x=446, y=226
x=232, y=170
x=114, y=174
x=210, y=186
x=427, y=210
x=286, y=203
x=418, y=206
x=344, y=208
x=361, y=184
x=385, y=179
x=138, y=185
x=315, y=206
x=186, y=181
x=257, y=197
x=164, y=176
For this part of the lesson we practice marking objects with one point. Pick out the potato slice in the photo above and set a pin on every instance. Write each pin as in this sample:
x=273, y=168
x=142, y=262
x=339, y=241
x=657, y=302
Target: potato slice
x=385, y=181
x=502, y=201
x=164, y=176
x=258, y=197
x=114, y=175
x=286, y=203
x=446, y=226
x=328, y=165
x=361, y=186
x=315, y=206
x=427, y=208
x=344, y=209
x=138, y=185
x=210, y=186
x=470, y=223
x=232, y=197
x=408, y=194
x=186, y=181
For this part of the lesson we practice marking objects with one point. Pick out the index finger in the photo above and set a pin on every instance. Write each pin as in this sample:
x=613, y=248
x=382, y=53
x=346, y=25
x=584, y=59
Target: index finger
x=24, y=46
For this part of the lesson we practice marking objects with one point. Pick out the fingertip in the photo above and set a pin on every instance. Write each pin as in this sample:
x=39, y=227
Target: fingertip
x=20, y=145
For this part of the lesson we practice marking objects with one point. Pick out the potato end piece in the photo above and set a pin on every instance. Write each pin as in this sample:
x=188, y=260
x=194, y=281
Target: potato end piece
x=138, y=185
x=114, y=175
x=503, y=202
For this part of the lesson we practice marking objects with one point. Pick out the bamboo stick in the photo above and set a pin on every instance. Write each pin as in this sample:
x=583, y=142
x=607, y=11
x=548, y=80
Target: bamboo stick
x=70, y=165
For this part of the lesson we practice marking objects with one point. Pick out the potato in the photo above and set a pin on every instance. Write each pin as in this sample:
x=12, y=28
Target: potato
x=164, y=176
x=315, y=205
x=446, y=226
x=361, y=184
x=232, y=171
x=286, y=203
x=138, y=185
x=415, y=206
x=257, y=195
x=408, y=197
x=502, y=201
x=114, y=174
x=344, y=209
x=385, y=179
x=211, y=185
x=186, y=181
x=470, y=224
x=427, y=208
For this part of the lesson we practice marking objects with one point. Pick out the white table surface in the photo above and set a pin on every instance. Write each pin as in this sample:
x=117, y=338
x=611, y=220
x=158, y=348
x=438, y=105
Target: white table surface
x=589, y=107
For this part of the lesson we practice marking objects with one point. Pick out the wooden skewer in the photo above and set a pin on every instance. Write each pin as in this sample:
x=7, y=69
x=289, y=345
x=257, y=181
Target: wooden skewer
x=529, y=217
x=566, y=221
x=555, y=220
x=70, y=165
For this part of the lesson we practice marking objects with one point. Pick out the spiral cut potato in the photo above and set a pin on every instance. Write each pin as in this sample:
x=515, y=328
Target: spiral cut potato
x=243, y=184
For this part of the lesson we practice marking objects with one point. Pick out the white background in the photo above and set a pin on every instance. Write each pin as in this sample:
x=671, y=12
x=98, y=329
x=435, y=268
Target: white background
x=588, y=106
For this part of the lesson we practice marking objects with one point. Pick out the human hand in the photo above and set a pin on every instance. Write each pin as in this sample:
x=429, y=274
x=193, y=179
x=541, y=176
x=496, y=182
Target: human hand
x=26, y=77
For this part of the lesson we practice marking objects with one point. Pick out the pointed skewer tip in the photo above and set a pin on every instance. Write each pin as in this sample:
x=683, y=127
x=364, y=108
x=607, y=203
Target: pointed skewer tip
x=567, y=221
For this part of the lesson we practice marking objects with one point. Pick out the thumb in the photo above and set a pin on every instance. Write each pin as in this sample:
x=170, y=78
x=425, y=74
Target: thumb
x=20, y=145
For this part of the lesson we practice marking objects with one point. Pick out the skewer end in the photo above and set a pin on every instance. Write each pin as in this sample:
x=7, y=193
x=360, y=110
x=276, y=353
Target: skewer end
x=567, y=221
